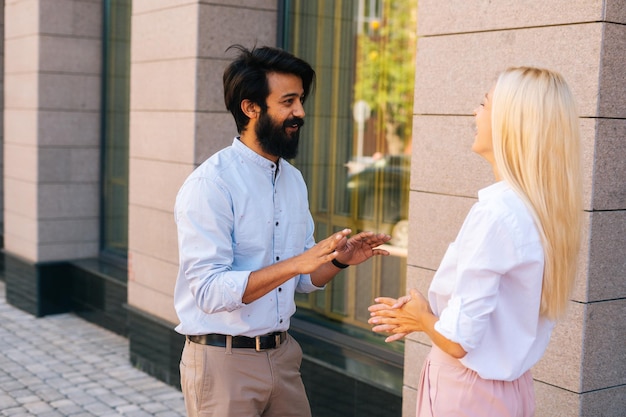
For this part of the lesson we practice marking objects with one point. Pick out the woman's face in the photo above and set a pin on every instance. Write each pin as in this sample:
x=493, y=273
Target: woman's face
x=483, y=144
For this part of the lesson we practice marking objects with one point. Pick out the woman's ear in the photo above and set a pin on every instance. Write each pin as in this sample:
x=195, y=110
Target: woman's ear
x=250, y=109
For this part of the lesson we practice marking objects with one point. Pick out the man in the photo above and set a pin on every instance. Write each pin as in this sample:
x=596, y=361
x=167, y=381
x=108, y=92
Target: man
x=246, y=246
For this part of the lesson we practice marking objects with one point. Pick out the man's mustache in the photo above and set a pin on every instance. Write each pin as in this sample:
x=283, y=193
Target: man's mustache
x=294, y=121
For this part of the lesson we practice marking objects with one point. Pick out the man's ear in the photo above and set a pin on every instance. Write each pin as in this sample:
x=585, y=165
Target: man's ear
x=250, y=109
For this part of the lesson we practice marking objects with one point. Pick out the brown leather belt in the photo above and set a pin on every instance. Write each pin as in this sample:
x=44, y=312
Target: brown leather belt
x=268, y=341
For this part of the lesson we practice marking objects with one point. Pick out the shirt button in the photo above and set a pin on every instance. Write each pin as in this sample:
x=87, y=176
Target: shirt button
x=278, y=258
x=276, y=223
x=279, y=289
x=281, y=320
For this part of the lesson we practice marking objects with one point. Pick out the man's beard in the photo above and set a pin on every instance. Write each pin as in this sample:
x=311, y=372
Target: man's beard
x=273, y=137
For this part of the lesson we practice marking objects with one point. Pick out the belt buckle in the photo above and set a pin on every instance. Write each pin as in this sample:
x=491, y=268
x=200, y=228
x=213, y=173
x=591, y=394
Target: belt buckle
x=257, y=344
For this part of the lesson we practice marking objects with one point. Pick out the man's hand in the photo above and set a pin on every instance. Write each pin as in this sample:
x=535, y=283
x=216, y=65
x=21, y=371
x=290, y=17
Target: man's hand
x=361, y=247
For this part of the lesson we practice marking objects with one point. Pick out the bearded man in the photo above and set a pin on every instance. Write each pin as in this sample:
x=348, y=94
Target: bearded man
x=246, y=245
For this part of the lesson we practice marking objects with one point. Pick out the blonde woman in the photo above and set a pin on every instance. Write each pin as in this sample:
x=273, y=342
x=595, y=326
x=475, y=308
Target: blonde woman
x=507, y=277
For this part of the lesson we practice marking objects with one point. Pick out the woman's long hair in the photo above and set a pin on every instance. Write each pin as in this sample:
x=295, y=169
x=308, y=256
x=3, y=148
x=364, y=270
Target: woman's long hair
x=536, y=143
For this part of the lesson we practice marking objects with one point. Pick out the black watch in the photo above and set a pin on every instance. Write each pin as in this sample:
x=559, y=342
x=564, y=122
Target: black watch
x=339, y=264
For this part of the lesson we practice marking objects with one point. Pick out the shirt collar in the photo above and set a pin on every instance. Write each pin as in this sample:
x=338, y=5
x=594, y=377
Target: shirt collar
x=492, y=190
x=254, y=157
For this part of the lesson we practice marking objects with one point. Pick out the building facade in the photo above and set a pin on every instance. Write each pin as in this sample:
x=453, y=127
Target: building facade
x=109, y=105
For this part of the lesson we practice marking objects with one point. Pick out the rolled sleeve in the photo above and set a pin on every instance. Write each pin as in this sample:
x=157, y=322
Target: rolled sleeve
x=484, y=256
x=204, y=220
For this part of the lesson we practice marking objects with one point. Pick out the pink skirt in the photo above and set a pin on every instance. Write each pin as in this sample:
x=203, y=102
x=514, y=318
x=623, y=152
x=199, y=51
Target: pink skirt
x=447, y=388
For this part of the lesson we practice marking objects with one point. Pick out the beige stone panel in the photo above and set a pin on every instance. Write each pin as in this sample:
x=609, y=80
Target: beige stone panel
x=69, y=91
x=155, y=183
x=454, y=72
x=17, y=245
x=254, y=27
x=163, y=85
x=84, y=165
x=20, y=127
x=54, y=165
x=613, y=72
x=71, y=17
x=153, y=233
x=62, y=251
x=163, y=136
x=588, y=138
x=409, y=401
x=214, y=131
x=70, y=55
x=604, y=347
x=151, y=272
x=151, y=6
x=442, y=160
x=21, y=162
x=55, y=231
x=615, y=12
x=607, y=256
x=22, y=55
x=561, y=364
x=17, y=226
x=414, y=355
x=152, y=302
x=436, y=17
x=147, y=6
x=580, y=291
x=68, y=128
x=552, y=401
x=21, y=18
x=435, y=220
x=20, y=197
x=20, y=91
x=251, y=4
x=609, y=402
x=419, y=278
x=165, y=34
x=63, y=201
x=609, y=168
x=210, y=94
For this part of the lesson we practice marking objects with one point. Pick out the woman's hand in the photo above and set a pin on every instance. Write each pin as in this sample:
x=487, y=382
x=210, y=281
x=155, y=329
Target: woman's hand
x=401, y=316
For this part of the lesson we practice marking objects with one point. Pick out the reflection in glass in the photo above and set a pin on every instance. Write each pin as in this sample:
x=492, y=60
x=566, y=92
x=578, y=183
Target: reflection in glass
x=356, y=143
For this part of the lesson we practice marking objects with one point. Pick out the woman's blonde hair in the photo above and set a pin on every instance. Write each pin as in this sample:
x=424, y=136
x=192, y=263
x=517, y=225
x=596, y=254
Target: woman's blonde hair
x=536, y=143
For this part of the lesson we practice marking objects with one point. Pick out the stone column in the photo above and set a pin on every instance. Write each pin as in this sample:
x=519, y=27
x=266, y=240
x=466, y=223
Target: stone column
x=52, y=54
x=177, y=120
x=462, y=47
x=1, y=129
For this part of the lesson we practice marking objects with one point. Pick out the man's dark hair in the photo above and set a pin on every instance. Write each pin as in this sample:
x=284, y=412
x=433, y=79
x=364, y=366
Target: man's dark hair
x=246, y=77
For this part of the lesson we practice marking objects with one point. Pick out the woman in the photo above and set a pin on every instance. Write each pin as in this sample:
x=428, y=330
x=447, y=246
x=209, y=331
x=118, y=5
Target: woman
x=508, y=275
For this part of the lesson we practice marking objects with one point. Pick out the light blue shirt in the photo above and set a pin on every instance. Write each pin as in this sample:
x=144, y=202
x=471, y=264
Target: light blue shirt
x=487, y=290
x=236, y=213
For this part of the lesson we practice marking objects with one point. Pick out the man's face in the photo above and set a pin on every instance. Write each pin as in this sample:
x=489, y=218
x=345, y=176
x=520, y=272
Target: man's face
x=278, y=127
x=276, y=138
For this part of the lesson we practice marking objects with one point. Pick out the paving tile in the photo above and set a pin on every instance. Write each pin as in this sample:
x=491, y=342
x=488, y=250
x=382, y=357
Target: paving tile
x=47, y=372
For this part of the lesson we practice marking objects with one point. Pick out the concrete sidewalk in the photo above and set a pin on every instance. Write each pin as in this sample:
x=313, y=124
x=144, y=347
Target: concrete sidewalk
x=62, y=365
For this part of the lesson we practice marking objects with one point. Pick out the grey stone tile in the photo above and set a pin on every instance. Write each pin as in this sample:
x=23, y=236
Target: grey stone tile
x=83, y=373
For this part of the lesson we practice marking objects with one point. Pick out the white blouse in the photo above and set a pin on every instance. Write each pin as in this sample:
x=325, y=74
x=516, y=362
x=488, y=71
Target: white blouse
x=487, y=290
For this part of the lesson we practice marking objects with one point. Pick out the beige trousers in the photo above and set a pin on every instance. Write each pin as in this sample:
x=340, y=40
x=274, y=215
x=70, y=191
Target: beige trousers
x=243, y=382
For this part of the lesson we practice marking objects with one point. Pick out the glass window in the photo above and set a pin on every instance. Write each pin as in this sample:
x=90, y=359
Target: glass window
x=115, y=117
x=356, y=143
